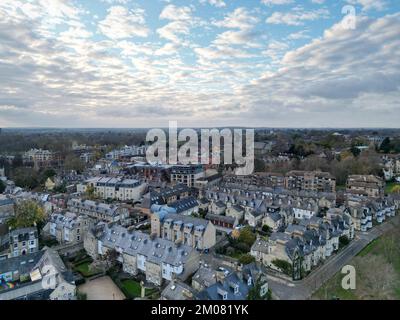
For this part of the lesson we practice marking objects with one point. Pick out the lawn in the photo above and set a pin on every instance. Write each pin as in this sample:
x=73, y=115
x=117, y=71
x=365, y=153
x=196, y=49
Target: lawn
x=382, y=254
x=84, y=270
x=131, y=288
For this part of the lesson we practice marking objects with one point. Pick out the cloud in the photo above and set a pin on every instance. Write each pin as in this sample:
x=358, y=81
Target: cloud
x=297, y=16
x=369, y=4
x=276, y=2
x=215, y=3
x=121, y=23
x=240, y=18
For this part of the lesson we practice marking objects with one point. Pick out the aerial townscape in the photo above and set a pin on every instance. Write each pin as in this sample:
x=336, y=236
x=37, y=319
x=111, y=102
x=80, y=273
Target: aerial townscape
x=199, y=158
x=110, y=225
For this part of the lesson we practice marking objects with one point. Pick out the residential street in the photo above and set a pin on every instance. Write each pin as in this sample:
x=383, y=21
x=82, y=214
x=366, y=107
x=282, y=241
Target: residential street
x=300, y=290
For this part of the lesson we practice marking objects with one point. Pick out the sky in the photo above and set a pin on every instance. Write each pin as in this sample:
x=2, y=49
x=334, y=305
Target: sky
x=203, y=63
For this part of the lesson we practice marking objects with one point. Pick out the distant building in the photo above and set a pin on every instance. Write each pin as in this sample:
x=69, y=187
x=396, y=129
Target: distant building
x=365, y=185
x=114, y=188
x=186, y=174
x=310, y=181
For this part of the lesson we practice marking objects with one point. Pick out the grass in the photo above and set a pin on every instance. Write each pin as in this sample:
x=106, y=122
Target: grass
x=131, y=288
x=85, y=271
x=332, y=288
x=369, y=248
x=390, y=187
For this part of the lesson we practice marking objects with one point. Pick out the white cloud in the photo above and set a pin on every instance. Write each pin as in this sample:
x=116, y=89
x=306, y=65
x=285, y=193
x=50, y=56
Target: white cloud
x=369, y=4
x=122, y=23
x=216, y=3
x=240, y=18
x=276, y=2
x=297, y=16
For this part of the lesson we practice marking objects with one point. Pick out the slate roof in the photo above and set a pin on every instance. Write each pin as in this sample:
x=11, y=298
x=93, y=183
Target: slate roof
x=156, y=250
x=217, y=290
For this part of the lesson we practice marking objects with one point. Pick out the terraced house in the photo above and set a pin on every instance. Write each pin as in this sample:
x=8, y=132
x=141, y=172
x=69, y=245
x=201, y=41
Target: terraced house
x=303, y=246
x=97, y=210
x=68, y=227
x=194, y=232
x=159, y=259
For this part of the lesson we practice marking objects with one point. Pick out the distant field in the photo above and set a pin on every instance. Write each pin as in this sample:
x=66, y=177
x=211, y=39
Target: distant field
x=378, y=273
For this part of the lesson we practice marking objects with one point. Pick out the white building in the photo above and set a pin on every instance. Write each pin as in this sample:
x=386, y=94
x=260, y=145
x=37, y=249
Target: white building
x=114, y=188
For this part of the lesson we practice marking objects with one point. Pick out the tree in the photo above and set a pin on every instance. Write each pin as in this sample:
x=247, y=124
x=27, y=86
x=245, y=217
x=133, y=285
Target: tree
x=386, y=145
x=72, y=162
x=266, y=229
x=246, y=259
x=283, y=265
x=247, y=236
x=2, y=186
x=26, y=178
x=48, y=173
x=110, y=258
x=355, y=151
x=255, y=292
x=27, y=214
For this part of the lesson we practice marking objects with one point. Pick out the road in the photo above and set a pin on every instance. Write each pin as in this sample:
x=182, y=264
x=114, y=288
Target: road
x=285, y=289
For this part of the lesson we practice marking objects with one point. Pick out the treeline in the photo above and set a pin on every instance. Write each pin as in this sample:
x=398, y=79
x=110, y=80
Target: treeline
x=19, y=142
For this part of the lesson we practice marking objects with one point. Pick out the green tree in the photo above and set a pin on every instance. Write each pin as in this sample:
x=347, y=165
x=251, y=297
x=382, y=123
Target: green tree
x=255, y=292
x=247, y=236
x=246, y=259
x=355, y=151
x=386, y=145
x=2, y=186
x=266, y=229
x=285, y=266
x=48, y=173
x=27, y=214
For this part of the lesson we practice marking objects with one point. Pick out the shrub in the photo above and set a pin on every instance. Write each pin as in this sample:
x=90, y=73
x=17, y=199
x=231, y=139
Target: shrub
x=246, y=259
x=283, y=265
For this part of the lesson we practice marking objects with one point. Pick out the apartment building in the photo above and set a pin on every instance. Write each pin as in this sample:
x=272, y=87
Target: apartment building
x=98, y=211
x=310, y=181
x=158, y=259
x=38, y=155
x=365, y=185
x=114, y=188
x=186, y=174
